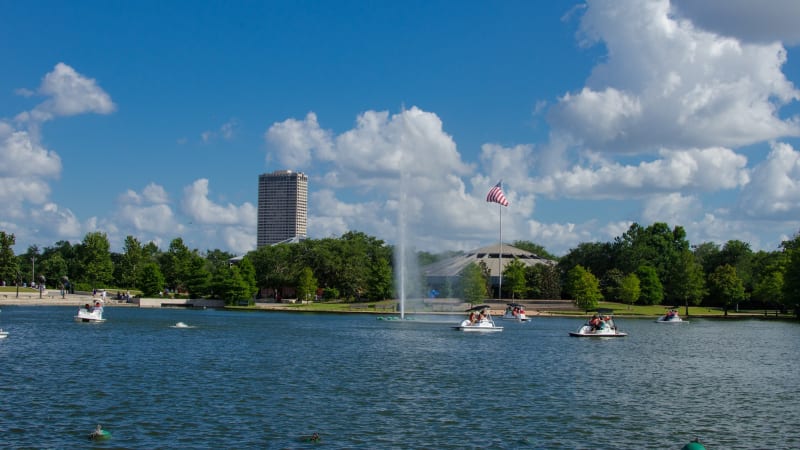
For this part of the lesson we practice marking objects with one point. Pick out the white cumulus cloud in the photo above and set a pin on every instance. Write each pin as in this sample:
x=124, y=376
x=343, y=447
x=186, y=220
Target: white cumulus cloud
x=70, y=93
x=774, y=192
x=667, y=83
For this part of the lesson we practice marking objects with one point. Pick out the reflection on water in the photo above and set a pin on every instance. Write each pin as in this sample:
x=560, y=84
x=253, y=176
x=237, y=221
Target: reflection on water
x=265, y=380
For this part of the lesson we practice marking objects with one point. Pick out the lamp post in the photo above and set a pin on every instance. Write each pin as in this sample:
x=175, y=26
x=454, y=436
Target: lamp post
x=33, y=268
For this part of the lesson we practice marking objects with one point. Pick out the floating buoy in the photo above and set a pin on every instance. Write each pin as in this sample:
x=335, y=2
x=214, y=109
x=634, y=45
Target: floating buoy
x=313, y=438
x=694, y=445
x=99, y=434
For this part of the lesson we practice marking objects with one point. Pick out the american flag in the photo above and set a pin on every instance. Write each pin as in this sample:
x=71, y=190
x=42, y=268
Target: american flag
x=496, y=194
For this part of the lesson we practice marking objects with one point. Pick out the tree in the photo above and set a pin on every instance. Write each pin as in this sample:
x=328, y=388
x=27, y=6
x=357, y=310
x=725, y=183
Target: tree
x=693, y=287
x=132, y=259
x=611, y=283
x=273, y=266
x=8, y=262
x=544, y=281
x=197, y=276
x=52, y=267
x=725, y=287
x=596, y=257
x=306, y=285
x=769, y=288
x=248, y=274
x=380, y=280
x=229, y=286
x=174, y=264
x=473, y=284
x=791, y=275
x=629, y=289
x=96, y=259
x=151, y=281
x=514, y=275
x=584, y=288
x=652, y=292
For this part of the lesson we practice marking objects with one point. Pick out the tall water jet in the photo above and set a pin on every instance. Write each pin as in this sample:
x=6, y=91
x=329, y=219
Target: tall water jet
x=400, y=262
x=407, y=279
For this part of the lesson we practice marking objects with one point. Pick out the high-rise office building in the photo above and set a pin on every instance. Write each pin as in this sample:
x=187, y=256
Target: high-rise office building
x=282, y=206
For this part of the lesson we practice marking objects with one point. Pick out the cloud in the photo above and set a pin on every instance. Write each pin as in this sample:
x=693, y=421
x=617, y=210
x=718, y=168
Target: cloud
x=676, y=171
x=200, y=208
x=57, y=221
x=666, y=83
x=70, y=93
x=774, y=192
x=762, y=21
x=293, y=141
x=386, y=169
x=671, y=208
x=146, y=212
x=155, y=193
x=226, y=131
x=21, y=156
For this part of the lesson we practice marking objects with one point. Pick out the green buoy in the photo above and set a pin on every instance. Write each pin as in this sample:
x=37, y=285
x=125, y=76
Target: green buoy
x=694, y=445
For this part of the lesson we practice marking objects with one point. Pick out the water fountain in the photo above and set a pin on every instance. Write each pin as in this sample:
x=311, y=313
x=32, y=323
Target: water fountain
x=405, y=260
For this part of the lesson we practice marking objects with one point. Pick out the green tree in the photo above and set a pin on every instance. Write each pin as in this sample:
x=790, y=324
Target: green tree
x=380, y=280
x=151, y=281
x=629, y=289
x=693, y=288
x=197, y=277
x=584, y=288
x=273, y=266
x=248, y=273
x=174, y=264
x=514, y=277
x=231, y=287
x=132, y=259
x=8, y=262
x=27, y=261
x=544, y=281
x=596, y=257
x=53, y=267
x=725, y=287
x=611, y=283
x=791, y=275
x=473, y=284
x=769, y=288
x=652, y=292
x=306, y=285
x=95, y=259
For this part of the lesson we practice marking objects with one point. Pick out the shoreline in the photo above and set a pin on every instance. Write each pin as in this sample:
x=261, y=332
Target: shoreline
x=75, y=300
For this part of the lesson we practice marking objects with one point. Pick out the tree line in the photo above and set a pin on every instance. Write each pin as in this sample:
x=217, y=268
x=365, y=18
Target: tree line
x=646, y=265
x=657, y=265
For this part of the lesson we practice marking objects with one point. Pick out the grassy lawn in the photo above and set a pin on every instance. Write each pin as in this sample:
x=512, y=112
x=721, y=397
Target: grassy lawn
x=620, y=309
x=22, y=290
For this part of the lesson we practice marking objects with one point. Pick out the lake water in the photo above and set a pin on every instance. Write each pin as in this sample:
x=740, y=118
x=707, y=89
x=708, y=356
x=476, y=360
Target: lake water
x=265, y=379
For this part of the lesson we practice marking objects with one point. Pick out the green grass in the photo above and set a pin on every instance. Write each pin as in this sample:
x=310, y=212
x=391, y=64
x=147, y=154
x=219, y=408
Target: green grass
x=620, y=309
x=25, y=290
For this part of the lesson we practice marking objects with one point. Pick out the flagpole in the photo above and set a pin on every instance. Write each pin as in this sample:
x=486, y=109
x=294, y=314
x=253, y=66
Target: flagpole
x=500, y=285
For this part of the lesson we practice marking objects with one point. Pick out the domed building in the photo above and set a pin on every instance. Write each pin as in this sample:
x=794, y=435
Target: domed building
x=447, y=271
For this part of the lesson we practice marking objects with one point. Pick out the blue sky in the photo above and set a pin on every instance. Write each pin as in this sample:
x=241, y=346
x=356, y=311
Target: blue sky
x=154, y=119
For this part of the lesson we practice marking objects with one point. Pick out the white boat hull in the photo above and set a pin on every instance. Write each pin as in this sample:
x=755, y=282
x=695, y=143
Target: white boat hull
x=483, y=326
x=671, y=320
x=587, y=331
x=517, y=318
x=95, y=315
x=3, y=334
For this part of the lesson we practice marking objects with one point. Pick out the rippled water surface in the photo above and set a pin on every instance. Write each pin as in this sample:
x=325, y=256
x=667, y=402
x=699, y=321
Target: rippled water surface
x=265, y=380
